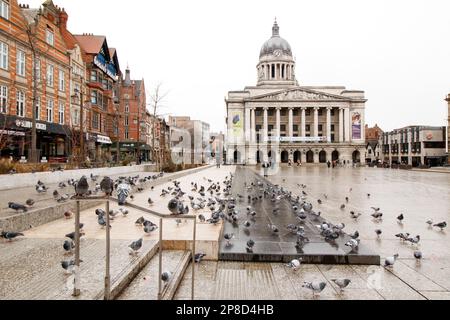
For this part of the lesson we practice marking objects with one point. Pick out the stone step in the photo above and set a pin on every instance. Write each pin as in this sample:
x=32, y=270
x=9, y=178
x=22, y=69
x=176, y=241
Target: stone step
x=35, y=271
x=147, y=289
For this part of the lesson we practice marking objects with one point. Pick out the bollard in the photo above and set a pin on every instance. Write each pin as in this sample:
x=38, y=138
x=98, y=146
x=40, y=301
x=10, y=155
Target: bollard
x=76, y=281
x=107, y=271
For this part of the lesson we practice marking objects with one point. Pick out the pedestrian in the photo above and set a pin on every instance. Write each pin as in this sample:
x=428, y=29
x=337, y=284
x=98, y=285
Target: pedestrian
x=265, y=166
x=328, y=163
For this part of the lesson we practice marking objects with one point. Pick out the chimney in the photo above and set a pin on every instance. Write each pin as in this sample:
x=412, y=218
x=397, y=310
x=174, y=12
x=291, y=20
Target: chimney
x=63, y=17
x=127, y=77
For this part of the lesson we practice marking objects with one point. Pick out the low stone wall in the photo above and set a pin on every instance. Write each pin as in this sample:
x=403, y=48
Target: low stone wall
x=23, y=180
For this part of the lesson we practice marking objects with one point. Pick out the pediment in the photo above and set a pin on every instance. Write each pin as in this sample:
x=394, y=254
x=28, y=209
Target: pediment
x=298, y=95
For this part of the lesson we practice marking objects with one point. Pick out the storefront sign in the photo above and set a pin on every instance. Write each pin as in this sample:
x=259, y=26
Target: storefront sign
x=107, y=68
x=103, y=139
x=29, y=124
x=12, y=133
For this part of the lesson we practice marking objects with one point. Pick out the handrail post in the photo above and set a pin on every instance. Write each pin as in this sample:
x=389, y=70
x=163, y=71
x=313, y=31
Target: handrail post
x=193, y=259
x=76, y=269
x=108, y=249
x=160, y=258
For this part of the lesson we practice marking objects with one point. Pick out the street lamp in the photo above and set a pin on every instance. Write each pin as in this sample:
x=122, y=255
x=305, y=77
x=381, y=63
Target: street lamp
x=83, y=158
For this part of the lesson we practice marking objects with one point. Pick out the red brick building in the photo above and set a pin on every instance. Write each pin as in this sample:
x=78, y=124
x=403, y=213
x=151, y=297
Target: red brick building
x=25, y=30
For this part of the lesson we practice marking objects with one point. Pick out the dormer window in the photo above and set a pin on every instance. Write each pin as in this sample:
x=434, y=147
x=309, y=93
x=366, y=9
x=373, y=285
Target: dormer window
x=4, y=9
x=50, y=37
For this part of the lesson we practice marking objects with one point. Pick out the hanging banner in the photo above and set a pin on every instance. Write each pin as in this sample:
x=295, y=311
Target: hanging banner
x=356, y=126
x=237, y=123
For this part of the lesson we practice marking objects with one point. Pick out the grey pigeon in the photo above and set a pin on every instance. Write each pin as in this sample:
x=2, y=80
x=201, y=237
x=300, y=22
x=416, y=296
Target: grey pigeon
x=166, y=276
x=82, y=187
x=341, y=283
x=107, y=186
x=400, y=218
x=418, y=255
x=30, y=202
x=68, y=265
x=199, y=256
x=17, y=207
x=11, y=235
x=140, y=221
x=136, y=246
x=378, y=232
x=315, y=287
x=201, y=218
x=389, y=262
x=228, y=237
x=68, y=245
x=441, y=225
x=250, y=245
x=150, y=228
x=294, y=264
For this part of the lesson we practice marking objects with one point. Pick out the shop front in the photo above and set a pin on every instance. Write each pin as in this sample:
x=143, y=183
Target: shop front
x=128, y=150
x=99, y=147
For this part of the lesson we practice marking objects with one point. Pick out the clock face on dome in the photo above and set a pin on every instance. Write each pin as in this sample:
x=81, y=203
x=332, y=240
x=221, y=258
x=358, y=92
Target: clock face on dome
x=277, y=53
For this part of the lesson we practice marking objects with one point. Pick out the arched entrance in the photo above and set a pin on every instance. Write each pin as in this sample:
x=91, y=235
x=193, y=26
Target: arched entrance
x=335, y=155
x=237, y=157
x=323, y=157
x=297, y=156
x=284, y=157
x=310, y=157
x=356, y=156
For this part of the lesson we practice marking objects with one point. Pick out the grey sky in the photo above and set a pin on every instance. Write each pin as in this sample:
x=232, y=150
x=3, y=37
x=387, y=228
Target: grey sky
x=397, y=51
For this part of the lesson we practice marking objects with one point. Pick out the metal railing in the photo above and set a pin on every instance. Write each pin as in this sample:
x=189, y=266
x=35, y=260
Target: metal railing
x=107, y=278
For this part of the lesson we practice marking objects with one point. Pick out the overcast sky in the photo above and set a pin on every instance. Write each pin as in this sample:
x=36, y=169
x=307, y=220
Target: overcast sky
x=398, y=52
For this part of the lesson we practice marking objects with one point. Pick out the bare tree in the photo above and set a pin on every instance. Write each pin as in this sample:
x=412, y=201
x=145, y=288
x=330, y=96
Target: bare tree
x=156, y=103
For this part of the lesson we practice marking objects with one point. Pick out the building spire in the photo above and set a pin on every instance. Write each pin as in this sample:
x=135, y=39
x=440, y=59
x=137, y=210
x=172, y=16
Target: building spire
x=275, y=29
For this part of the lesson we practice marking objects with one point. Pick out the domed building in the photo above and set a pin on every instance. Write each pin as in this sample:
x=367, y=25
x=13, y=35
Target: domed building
x=279, y=120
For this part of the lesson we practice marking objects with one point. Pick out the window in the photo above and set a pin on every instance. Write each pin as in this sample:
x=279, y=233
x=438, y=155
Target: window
x=295, y=113
x=282, y=127
x=320, y=127
x=61, y=112
x=50, y=37
x=94, y=97
x=20, y=104
x=38, y=108
x=283, y=113
x=258, y=113
x=308, y=112
x=295, y=127
x=62, y=81
x=127, y=108
x=308, y=127
x=270, y=113
x=3, y=99
x=126, y=121
x=95, y=120
x=332, y=112
x=20, y=66
x=50, y=70
x=270, y=128
x=76, y=117
x=38, y=69
x=50, y=105
x=320, y=112
x=4, y=9
x=94, y=76
x=332, y=128
x=126, y=134
x=4, y=52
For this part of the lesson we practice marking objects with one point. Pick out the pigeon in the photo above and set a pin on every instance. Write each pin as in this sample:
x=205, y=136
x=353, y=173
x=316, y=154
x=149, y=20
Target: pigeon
x=102, y=221
x=316, y=287
x=342, y=206
x=294, y=264
x=430, y=223
x=389, y=262
x=68, y=214
x=441, y=225
x=414, y=240
x=68, y=265
x=62, y=185
x=178, y=222
x=201, y=218
x=418, y=255
x=199, y=256
x=355, y=235
x=250, y=245
x=353, y=243
x=377, y=215
x=346, y=199
x=149, y=228
x=354, y=215
x=11, y=235
x=72, y=235
x=375, y=209
x=56, y=194
x=319, y=201
x=400, y=218
x=124, y=212
x=247, y=224
x=30, y=202
x=341, y=283
x=135, y=246
x=402, y=236
x=140, y=221
x=166, y=276
x=228, y=237
x=82, y=187
x=150, y=201
x=107, y=186
x=378, y=232
x=94, y=178
x=17, y=207
x=273, y=228
x=68, y=245
x=113, y=213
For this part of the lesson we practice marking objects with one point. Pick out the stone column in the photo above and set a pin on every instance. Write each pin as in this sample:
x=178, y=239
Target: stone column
x=265, y=126
x=253, y=120
x=341, y=125
x=291, y=123
x=247, y=125
x=329, y=124
x=348, y=125
x=316, y=122
x=303, y=122
x=278, y=122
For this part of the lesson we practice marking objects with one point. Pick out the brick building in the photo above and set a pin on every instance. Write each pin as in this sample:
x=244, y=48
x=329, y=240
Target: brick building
x=24, y=31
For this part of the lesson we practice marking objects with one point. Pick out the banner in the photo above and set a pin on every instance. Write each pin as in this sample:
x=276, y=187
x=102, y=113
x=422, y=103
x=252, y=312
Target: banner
x=237, y=123
x=356, y=126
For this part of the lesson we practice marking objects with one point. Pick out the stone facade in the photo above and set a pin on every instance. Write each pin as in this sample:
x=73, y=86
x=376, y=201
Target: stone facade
x=279, y=120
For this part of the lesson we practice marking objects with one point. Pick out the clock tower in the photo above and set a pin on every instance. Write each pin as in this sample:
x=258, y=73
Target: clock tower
x=276, y=65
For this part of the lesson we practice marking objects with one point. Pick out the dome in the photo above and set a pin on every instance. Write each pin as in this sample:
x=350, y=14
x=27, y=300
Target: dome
x=275, y=43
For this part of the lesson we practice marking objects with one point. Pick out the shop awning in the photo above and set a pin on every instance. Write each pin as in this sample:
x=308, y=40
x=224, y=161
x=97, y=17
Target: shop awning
x=103, y=139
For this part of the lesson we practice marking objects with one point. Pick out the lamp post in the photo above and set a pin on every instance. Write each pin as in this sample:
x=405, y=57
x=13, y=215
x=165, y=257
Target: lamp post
x=82, y=153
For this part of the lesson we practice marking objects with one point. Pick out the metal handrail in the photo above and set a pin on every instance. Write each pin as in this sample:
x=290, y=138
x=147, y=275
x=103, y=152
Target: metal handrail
x=107, y=199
